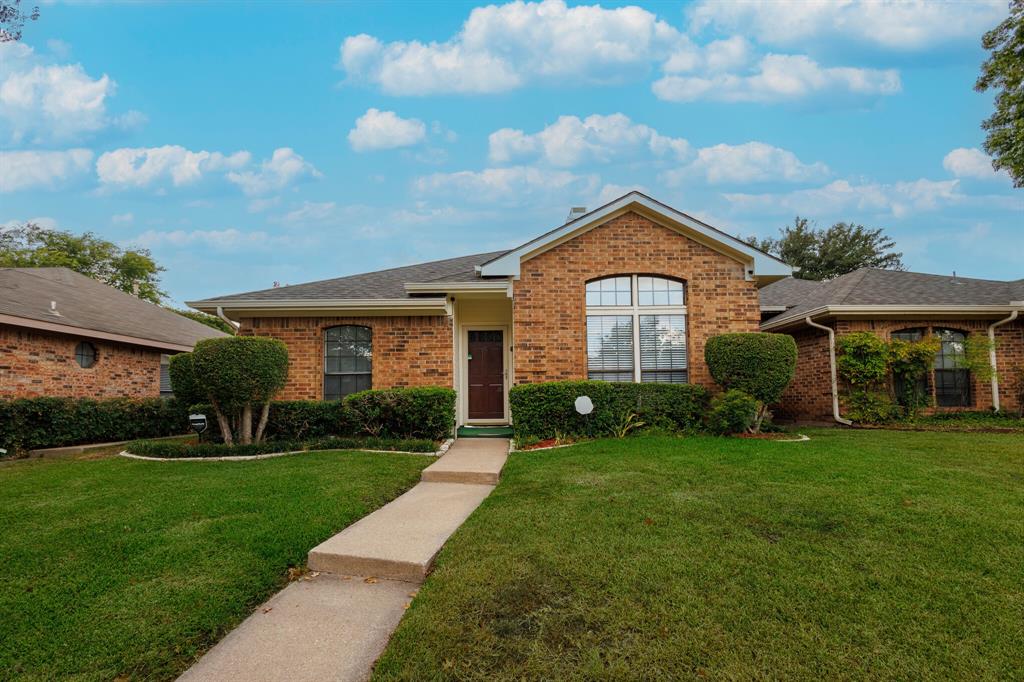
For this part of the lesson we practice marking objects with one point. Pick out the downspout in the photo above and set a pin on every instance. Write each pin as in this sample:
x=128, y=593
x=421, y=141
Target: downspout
x=992, y=356
x=832, y=367
x=221, y=315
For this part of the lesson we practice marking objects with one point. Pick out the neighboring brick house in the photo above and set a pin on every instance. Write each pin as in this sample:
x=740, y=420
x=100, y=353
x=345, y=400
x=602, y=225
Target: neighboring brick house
x=64, y=334
x=907, y=305
x=628, y=292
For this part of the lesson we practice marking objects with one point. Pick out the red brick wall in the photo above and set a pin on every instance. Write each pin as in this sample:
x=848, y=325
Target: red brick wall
x=549, y=306
x=407, y=351
x=35, y=363
x=809, y=396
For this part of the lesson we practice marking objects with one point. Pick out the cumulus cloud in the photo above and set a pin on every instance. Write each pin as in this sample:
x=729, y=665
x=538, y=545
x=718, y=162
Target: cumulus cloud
x=776, y=78
x=378, y=129
x=229, y=239
x=571, y=141
x=146, y=166
x=53, y=102
x=502, y=184
x=38, y=169
x=892, y=24
x=898, y=199
x=749, y=162
x=309, y=212
x=276, y=173
x=971, y=163
x=502, y=47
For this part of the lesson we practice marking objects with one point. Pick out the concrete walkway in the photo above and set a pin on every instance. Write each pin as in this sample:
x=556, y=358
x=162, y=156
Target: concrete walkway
x=334, y=624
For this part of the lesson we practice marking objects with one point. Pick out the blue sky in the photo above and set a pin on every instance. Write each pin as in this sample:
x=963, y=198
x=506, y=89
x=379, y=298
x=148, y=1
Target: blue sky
x=248, y=144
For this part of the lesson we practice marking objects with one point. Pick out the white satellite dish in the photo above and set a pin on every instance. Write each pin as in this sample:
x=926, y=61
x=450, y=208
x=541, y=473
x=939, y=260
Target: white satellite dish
x=584, y=405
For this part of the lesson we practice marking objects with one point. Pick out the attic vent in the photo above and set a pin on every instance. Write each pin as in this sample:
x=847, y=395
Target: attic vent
x=53, y=309
x=575, y=212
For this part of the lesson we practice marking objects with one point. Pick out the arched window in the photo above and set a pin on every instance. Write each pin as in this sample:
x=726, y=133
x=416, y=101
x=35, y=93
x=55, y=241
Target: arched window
x=636, y=329
x=916, y=393
x=348, y=355
x=85, y=354
x=952, y=381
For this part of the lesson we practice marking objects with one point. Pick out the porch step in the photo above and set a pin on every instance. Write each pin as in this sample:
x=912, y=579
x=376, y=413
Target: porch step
x=469, y=461
x=400, y=540
x=485, y=432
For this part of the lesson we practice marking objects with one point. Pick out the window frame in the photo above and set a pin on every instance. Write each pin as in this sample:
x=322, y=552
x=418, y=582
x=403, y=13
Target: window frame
x=324, y=357
x=966, y=384
x=636, y=311
x=79, y=354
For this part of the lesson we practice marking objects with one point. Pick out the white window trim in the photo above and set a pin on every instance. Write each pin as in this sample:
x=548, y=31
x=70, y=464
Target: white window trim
x=636, y=310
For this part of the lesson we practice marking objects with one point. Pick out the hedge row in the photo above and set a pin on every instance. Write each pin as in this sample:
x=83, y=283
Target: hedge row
x=32, y=423
x=178, y=450
x=427, y=413
x=547, y=410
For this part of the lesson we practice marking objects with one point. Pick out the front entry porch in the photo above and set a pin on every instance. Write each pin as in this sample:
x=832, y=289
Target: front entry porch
x=482, y=361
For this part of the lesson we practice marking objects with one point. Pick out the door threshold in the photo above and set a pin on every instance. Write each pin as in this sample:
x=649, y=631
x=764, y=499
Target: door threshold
x=470, y=431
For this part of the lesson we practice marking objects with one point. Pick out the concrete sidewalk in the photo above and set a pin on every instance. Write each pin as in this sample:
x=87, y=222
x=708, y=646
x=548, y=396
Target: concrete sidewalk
x=334, y=625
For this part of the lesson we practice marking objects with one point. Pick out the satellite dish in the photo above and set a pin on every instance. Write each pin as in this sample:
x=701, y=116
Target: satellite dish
x=584, y=405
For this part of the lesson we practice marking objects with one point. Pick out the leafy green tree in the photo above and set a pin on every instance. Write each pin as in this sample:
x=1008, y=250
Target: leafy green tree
x=826, y=254
x=209, y=320
x=133, y=271
x=1003, y=71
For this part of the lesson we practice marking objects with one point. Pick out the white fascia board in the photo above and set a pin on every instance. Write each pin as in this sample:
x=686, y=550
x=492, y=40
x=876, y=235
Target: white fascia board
x=342, y=304
x=761, y=264
x=497, y=286
x=893, y=310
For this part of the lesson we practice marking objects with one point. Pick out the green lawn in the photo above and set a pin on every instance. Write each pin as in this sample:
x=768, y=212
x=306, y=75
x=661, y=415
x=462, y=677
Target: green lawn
x=118, y=568
x=858, y=555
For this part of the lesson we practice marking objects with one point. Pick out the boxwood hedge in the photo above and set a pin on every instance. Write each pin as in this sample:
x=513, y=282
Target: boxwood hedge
x=178, y=450
x=547, y=410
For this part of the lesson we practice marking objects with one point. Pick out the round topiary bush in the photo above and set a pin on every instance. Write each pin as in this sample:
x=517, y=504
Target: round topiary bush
x=759, y=364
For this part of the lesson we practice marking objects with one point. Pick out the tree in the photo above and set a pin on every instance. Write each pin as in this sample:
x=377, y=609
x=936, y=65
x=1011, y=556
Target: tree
x=758, y=364
x=209, y=320
x=133, y=271
x=1003, y=71
x=13, y=18
x=826, y=254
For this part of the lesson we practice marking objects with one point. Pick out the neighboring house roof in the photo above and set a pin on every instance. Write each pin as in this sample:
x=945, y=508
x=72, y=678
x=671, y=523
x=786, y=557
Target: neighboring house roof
x=89, y=308
x=383, y=284
x=871, y=290
x=786, y=292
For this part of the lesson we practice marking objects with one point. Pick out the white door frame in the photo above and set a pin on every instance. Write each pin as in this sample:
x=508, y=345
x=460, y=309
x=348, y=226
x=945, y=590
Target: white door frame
x=506, y=354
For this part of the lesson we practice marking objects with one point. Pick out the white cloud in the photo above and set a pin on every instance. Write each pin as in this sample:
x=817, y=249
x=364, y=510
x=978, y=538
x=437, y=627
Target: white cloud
x=378, y=129
x=971, y=163
x=611, y=192
x=276, y=173
x=32, y=169
x=900, y=25
x=145, y=166
x=749, y=162
x=898, y=199
x=776, y=78
x=571, y=141
x=44, y=222
x=122, y=218
x=214, y=239
x=309, y=212
x=502, y=47
x=501, y=184
x=43, y=102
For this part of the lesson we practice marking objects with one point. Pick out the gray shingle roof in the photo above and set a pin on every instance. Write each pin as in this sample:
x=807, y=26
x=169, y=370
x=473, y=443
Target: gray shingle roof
x=871, y=286
x=787, y=292
x=90, y=305
x=383, y=284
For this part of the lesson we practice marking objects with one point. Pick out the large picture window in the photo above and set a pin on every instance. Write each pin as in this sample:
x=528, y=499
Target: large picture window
x=348, y=361
x=636, y=329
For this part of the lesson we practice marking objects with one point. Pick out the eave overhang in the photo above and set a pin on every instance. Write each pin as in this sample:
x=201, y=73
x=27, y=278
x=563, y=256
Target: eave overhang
x=895, y=311
x=72, y=330
x=238, y=308
x=495, y=286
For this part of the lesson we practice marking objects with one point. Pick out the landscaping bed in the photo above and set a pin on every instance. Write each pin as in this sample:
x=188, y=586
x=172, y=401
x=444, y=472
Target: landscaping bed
x=122, y=569
x=857, y=555
x=193, y=449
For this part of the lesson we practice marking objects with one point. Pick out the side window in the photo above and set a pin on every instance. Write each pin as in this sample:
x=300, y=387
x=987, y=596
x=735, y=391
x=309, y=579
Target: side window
x=348, y=360
x=952, y=382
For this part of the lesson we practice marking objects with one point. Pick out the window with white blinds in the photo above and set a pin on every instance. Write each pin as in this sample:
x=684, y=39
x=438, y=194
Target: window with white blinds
x=636, y=329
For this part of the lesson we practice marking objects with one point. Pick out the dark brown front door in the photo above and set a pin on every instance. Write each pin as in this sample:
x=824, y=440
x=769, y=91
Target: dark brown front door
x=486, y=375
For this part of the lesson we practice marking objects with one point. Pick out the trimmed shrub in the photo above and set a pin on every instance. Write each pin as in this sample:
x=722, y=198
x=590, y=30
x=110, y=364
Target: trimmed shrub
x=547, y=410
x=183, y=380
x=422, y=412
x=305, y=419
x=202, y=450
x=759, y=364
x=32, y=423
x=732, y=412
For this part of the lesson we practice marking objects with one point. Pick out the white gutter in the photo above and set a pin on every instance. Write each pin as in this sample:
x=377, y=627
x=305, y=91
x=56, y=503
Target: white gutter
x=231, y=323
x=832, y=367
x=992, y=355
x=889, y=310
x=499, y=286
x=360, y=304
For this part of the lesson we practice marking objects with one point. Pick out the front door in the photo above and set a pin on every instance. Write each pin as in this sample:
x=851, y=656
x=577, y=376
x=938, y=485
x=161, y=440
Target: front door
x=486, y=375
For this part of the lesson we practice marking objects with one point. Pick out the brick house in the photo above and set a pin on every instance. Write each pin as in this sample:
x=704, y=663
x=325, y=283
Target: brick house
x=908, y=306
x=628, y=292
x=64, y=334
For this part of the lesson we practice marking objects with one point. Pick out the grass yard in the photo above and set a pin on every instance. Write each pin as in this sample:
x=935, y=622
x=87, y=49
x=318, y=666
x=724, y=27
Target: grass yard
x=858, y=555
x=113, y=568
